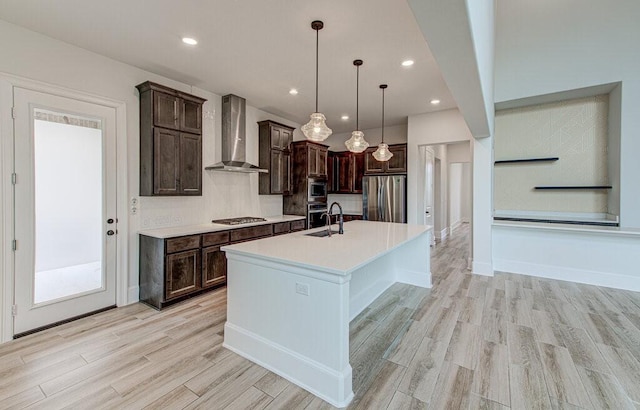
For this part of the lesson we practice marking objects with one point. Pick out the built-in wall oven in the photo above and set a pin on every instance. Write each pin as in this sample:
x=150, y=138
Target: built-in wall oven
x=317, y=190
x=314, y=215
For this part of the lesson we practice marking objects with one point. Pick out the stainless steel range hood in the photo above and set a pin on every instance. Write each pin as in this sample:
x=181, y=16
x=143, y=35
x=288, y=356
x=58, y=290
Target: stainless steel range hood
x=234, y=148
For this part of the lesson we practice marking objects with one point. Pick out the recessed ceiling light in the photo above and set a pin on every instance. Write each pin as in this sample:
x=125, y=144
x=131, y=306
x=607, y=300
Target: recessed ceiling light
x=407, y=63
x=293, y=91
x=190, y=41
x=345, y=117
x=435, y=102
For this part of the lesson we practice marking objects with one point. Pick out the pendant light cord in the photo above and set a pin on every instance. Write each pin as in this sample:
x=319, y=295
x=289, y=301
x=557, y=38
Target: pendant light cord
x=383, y=115
x=317, y=30
x=357, y=97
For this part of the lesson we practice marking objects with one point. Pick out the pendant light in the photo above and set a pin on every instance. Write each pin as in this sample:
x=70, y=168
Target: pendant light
x=316, y=130
x=357, y=142
x=383, y=153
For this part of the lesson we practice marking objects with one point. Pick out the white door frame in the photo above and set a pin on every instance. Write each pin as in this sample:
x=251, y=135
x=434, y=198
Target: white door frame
x=7, y=279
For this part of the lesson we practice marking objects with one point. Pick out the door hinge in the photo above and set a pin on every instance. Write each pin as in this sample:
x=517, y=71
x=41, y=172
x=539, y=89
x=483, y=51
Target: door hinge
x=14, y=245
x=14, y=310
x=13, y=112
x=14, y=178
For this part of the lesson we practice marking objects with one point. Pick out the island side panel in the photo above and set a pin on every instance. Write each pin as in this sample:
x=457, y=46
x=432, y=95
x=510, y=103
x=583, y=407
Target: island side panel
x=412, y=261
x=408, y=263
x=303, y=338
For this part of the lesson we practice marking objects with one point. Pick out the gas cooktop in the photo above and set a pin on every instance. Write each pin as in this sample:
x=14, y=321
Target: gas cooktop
x=238, y=221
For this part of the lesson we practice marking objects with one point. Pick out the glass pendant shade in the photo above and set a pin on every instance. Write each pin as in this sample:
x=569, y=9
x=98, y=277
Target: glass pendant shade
x=382, y=153
x=357, y=142
x=316, y=130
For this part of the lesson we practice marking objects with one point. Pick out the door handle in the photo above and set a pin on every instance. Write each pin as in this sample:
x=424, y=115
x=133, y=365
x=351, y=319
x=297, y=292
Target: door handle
x=110, y=232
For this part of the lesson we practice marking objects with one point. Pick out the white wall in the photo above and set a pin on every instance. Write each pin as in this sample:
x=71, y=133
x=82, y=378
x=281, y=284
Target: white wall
x=459, y=152
x=551, y=47
x=47, y=60
x=548, y=47
x=455, y=194
x=459, y=193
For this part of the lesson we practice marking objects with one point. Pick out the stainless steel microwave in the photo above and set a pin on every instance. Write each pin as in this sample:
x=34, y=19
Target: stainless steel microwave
x=317, y=190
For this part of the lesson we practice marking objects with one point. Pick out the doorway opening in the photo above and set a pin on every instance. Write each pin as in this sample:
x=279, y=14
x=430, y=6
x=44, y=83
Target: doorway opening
x=445, y=193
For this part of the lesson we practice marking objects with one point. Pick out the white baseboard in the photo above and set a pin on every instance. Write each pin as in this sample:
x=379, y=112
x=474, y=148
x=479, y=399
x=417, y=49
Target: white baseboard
x=481, y=268
x=287, y=362
x=442, y=234
x=606, y=279
x=456, y=225
x=133, y=295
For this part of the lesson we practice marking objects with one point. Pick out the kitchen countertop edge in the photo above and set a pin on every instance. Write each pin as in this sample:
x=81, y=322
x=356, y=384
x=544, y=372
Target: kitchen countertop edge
x=171, y=232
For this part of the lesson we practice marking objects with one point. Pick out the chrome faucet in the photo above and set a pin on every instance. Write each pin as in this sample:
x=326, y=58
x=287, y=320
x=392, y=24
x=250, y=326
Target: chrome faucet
x=341, y=220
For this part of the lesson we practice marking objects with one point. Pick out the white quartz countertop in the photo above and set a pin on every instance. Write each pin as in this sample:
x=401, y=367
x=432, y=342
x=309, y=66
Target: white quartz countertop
x=362, y=242
x=163, y=233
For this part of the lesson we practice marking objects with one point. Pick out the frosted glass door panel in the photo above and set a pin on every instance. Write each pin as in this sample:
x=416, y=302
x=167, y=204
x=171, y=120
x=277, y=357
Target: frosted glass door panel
x=68, y=208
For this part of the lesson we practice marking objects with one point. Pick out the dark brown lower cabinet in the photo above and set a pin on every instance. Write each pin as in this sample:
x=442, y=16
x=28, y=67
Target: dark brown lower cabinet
x=183, y=274
x=172, y=269
x=214, y=267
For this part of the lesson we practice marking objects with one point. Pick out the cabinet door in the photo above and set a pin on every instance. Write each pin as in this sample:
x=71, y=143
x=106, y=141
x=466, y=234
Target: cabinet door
x=214, y=267
x=344, y=173
x=312, y=160
x=398, y=162
x=321, y=165
x=331, y=173
x=166, y=160
x=286, y=137
x=190, y=115
x=165, y=110
x=182, y=275
x=276, y=172
x=190, y=173
x=372, y=165
x=358, y=172
x=286, y=172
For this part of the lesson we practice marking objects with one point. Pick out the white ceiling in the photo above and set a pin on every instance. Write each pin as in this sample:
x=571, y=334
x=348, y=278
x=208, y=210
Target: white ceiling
x=259, y=49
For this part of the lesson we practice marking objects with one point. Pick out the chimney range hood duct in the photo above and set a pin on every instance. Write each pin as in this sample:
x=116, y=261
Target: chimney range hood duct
x=234, y=152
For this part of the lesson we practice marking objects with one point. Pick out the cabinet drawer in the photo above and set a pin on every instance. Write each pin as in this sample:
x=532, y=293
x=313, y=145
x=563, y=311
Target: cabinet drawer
x=250, y=233
x=215, y=238
x=297, y=225
x=183, y=243
x=281, y=228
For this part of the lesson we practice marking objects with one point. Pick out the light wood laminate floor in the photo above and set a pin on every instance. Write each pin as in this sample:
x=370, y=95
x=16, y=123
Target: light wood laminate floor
x=509, y=341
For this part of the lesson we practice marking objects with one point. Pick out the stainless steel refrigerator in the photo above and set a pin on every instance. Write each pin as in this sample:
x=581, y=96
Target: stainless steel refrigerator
x=384, y=198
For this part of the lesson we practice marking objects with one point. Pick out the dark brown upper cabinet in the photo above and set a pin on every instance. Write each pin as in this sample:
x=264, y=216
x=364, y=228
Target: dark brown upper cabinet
x=312, y=156
x=275, y=155
x=396, y=165
x=170, y=141
x=346, y=169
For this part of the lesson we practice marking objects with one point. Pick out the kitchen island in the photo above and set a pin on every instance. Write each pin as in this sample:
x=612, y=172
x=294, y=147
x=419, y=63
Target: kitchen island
x=290, y=298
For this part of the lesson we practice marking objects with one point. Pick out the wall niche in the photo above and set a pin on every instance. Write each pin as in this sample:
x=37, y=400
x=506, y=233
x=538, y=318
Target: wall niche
x=557, y=157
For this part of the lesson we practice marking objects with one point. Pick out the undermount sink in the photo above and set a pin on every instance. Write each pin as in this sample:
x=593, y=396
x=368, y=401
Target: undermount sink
x=321, y=234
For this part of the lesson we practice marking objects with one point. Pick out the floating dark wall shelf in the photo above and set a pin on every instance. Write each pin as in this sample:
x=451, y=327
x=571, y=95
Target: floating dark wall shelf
x=515, y=161
x=575, y=187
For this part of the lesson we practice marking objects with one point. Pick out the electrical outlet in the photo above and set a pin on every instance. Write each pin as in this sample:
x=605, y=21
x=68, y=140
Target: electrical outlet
x=302, y=288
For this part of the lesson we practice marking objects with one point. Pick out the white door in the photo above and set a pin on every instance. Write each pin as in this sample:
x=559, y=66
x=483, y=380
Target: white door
x=65, y=208
x=428, y=191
